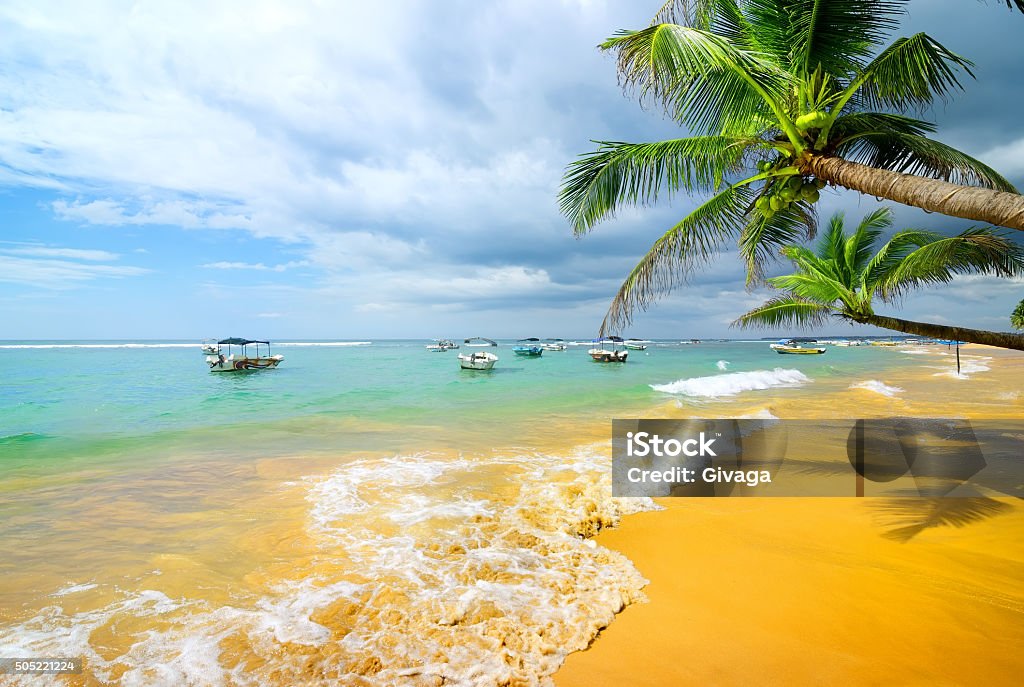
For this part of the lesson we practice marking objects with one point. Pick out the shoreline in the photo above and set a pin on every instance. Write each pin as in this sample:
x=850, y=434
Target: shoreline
x=796, y=591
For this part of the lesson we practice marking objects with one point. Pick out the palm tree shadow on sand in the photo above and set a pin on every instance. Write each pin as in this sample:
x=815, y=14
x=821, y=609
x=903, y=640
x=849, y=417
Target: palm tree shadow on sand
x=905, y=518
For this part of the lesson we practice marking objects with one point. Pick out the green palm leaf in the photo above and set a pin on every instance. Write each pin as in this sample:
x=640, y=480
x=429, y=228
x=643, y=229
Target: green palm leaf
x=615, y=174
x=911, y=72
x=694, y=241
x=763, y=237
x=786, y=311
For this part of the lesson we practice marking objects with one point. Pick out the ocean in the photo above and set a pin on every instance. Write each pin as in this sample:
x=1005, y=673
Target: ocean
x=365, y=514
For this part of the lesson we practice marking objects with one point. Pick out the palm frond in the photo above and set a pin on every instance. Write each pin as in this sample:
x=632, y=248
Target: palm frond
x=816, y=286
x=764, y=237
x=859, y=249
x=921, y=156
x=912, y=72
x=696, y=76
x=978, y=250
x=617, y=174
x=785, y=311
x=837, y=36
x=692, y=242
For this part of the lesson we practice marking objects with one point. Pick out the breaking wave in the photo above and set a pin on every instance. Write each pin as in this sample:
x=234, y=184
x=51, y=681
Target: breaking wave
x=878, y=387
x=430, y=571
x=733, y=383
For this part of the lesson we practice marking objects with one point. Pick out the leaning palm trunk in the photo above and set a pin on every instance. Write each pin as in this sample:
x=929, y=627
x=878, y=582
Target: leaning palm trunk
x=986, y=205
x=938, y=331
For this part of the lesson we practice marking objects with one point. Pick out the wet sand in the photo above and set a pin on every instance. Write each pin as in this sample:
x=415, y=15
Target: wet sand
x=812, y=591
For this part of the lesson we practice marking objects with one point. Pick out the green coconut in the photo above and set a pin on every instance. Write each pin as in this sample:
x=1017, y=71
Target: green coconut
x=819, y=184
x=811, y=120
x=762, y=204
x=811, y=196
x=788, y=194
x=776, y=203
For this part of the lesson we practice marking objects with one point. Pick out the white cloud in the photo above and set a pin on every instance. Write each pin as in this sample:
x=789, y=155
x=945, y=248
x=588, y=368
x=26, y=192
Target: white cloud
x=70, y=253
x=258, y=266
x=58, y=274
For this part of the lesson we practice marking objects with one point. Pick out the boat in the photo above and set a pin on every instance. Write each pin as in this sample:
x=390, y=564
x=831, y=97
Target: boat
x=209, y=346
x=226, y=359
x=636, y=344
x=791, y=347
x=528, y=348
x=441, y=345
x=553, y=345
x=884, y=343
x=478, y=360
x=603, y=353
x=478, y=342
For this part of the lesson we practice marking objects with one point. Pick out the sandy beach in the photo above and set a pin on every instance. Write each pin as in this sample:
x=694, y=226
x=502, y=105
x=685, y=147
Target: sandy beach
x=813, y=591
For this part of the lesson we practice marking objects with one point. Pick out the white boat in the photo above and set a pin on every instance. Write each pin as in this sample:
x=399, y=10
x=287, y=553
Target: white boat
x=791, y=347
x=607, y=350
x=478, y=342
x=478, y=360
x=553, y=345
x=636, y=344
x=227, y=358
x=441, y=345
x=209, y=347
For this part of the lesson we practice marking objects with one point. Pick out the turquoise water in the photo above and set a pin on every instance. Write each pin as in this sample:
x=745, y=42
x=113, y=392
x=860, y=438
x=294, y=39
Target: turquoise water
x=360, y=511
x=109, y=398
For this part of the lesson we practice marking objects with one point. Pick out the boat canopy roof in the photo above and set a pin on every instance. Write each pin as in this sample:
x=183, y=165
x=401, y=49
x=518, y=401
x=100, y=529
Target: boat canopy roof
x=532, y=338
x=241, y=342
x=480, y=338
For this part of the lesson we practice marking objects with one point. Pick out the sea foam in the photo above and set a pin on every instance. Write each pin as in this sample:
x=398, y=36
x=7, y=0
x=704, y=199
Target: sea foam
x=429, y=569
x=733, y=383
x=878, y=387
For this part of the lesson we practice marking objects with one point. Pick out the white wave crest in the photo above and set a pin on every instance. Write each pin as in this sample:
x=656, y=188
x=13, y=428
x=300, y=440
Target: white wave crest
x=722, y=364
x=733, y=383
x=878, y=387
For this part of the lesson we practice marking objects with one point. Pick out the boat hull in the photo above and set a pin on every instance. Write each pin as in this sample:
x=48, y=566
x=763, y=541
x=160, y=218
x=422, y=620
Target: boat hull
x=242, y=364
x=799, y=351
x=477, y=361
x=605, y=356
x=528, y=351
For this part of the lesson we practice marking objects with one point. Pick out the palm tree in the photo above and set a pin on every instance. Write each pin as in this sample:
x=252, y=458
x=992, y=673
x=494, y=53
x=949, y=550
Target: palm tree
x=800, y=91
x=842, y=278
x=1017, y=317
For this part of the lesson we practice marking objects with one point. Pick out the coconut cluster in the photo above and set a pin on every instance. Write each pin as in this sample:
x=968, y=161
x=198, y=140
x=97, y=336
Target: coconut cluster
x=781, y=193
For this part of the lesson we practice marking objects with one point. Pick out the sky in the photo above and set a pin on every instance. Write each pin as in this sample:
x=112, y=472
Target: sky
x=376, y=170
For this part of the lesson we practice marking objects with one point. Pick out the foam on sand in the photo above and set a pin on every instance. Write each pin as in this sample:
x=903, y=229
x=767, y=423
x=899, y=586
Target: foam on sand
x=733, y=383
x=878, y=387
x=969, y=364
x=428, y=569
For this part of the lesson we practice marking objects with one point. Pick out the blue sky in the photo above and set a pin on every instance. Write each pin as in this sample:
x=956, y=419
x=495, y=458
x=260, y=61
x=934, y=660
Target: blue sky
x=357, y=170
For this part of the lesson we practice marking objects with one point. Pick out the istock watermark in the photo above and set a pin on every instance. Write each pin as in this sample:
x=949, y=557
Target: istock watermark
x=903, y=457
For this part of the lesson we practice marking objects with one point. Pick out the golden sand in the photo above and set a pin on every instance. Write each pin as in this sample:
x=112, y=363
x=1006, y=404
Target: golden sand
x=818, y=591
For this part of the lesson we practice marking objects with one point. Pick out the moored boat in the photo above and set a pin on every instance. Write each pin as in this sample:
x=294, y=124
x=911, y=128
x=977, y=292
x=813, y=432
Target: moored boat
x=791, y=347
x=636, y=344
x=225, y=358
x=553, y=345
x=478, y=360
x=528, y=348
x=478, y=342
x=607, y=350
x=441, y=345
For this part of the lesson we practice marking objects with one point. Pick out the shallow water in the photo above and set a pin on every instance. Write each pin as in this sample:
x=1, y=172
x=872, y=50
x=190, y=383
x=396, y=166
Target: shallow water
x=363, y=514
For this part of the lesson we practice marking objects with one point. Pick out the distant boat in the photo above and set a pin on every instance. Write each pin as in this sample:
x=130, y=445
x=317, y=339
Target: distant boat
x=553, y=345
x=227, y=360
x=209, y=347
x=441, y=345
x=884, y=343
x=528, y=349
x=479, y=360
x=636, y=344
x=479, y=342
x=792, y=347
x=607, y=350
